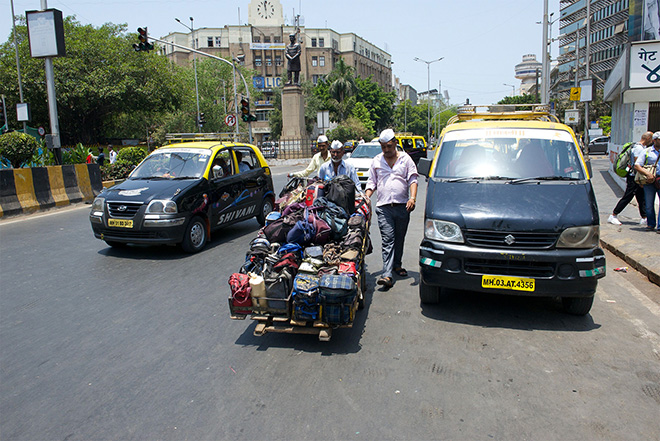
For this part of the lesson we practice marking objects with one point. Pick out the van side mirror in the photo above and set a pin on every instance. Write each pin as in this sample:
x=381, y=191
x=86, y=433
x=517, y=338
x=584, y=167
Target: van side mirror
x=218, y=172
x=424, y=166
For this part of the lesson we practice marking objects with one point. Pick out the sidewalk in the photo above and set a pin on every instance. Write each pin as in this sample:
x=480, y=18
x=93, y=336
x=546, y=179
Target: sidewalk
x=629, y=241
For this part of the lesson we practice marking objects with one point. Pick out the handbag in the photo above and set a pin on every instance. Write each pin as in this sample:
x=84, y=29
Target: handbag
x=642, y=179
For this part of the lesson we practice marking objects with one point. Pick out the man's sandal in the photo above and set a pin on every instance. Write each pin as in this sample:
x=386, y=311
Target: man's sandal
x=401, y=272
x=386, y=282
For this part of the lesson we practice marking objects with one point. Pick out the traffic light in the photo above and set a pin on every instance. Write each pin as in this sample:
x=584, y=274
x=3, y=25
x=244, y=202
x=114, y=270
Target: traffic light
x=252, y=118
x=202, y=119
x=144, y=44
x=245, y=110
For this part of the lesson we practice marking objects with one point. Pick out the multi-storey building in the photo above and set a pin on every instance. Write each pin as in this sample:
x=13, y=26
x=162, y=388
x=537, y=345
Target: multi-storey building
x=260, y=45
x=608, y=37
x=528, y=71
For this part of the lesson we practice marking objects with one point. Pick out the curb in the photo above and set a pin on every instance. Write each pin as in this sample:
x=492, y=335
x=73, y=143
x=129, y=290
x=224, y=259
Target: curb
x=633, y=256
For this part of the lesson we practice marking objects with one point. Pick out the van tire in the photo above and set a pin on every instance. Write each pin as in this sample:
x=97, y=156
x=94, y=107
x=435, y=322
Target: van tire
x=428, y=294
x=196, y=235
x=577, y=305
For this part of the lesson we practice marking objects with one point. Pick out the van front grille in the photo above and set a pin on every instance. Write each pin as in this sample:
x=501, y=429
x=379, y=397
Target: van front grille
x=511, y=240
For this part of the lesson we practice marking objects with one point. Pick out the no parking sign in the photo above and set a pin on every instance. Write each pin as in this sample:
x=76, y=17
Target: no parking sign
x=230, y=120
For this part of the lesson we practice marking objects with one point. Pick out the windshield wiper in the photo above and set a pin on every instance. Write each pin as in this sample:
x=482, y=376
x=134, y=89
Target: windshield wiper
x=544, y=178
x=185, y=177
x=480, y=178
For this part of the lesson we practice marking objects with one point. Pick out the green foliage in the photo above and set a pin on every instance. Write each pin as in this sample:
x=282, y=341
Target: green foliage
x=440, y=121
x=42, y=157
x=526, y=98
x=76, y=155
x=379, y=103
x=100, y=78
x=352, y=128
x=361, y=113
x=17, y=148
x=341, y=87
x=120, y=169
x=605, y=123
x=408, y=118
x=132, y=155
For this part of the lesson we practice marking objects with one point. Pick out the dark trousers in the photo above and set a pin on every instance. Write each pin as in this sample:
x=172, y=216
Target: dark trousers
x=393, y=224
x=635, y=190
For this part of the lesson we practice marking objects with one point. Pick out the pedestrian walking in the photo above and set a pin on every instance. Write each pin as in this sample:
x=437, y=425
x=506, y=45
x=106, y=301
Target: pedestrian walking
x=632, y=188
x=112, y=154
x=394, y=175
x=650, y=156
x=318, y=159
x=100, y=160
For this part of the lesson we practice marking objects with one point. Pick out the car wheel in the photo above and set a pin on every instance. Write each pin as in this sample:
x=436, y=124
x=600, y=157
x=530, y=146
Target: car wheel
x=577, y=305
x=428, y=294
x=114, y=244
x=196, y=235
x=266, y=207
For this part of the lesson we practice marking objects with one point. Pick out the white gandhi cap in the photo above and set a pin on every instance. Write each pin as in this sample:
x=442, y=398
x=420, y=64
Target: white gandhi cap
x=322, y=138
x=386, y=135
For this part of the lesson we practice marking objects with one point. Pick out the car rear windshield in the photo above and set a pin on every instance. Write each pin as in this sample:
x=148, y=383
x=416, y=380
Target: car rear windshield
x=173, y=164
x=508, y=153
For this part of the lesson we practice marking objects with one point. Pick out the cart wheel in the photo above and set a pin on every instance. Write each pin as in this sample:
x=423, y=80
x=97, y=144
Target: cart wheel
x=360, y=292
x=325, y=334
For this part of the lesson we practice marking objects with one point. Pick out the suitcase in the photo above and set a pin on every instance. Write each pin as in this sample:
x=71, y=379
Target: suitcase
x=305, y=297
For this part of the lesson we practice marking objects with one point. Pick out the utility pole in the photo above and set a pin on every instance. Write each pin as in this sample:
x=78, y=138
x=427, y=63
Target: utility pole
x=52, y=102
x=587, y=75
x=545, y=64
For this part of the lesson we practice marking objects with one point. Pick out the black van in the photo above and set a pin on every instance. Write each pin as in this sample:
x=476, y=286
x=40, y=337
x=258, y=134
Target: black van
x=510, y=209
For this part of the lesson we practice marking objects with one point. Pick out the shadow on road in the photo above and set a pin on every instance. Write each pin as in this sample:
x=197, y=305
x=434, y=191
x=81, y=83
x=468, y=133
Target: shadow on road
x=171, y=252
x=500, y=311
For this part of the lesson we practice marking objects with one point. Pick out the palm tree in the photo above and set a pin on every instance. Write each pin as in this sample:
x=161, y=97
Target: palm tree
x=342, y=87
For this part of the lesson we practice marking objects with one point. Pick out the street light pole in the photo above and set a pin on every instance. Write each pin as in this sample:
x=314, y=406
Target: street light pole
x=513, y=88
x=428, y=91
x=192, y=34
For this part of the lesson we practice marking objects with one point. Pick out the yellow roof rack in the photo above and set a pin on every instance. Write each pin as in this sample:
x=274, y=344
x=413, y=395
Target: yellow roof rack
x=528, y=112
x=192, y=137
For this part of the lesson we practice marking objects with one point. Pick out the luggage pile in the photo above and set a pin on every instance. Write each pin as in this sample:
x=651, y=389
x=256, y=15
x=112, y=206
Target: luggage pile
x=305, y=270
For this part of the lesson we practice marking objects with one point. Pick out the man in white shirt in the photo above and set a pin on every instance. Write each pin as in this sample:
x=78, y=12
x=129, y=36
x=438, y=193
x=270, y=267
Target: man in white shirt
x=317, y=160
x=112, y=154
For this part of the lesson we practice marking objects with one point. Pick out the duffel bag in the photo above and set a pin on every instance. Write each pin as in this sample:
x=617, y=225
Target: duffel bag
x=305, y=297
x=278, y=286
x=341, y=191
x=241, y=299
x=336, y=296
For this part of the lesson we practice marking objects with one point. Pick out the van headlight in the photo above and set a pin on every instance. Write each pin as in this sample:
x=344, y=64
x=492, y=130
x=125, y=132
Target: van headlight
x=158, y=206
x=443, y=231
x=97, y=207
x=579, y=237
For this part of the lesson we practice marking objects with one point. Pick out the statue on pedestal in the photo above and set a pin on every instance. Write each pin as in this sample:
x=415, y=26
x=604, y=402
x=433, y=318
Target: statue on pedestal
x=292, y=53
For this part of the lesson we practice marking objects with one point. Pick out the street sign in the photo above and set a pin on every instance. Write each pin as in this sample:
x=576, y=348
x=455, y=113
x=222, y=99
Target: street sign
x=230, y=120
x=572, y=117
x=41, y=131
x=575, y=94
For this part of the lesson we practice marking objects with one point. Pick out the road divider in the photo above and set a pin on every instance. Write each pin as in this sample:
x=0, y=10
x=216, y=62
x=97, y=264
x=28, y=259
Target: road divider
x=26, y=190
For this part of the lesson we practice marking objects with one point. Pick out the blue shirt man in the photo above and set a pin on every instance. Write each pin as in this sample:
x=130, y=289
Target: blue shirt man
x=336, y=166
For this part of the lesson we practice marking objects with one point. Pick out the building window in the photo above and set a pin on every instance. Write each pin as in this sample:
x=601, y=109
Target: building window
x=256, y=39
x=315, y=61
x=268, y=61
x=278, y=60
x=277, y=39
x=209, y=41
x=313, y=42
x=321, y=42
x=217, y=42
x=257, y=60
x=321, y=61
x=266, y=39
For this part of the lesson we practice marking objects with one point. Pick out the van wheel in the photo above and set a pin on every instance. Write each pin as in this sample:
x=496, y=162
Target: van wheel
x=266, y=207
x=195, y=238
x=577, y=305
x=429, y=294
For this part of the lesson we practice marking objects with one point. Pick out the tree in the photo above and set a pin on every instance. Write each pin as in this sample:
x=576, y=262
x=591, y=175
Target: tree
x=379, y=103
x=101, y=82
x=526, y=98
x=408, y=118
x=342, y=87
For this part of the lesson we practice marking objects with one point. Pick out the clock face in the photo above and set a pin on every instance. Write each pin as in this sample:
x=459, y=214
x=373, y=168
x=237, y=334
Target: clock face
x=265, y=9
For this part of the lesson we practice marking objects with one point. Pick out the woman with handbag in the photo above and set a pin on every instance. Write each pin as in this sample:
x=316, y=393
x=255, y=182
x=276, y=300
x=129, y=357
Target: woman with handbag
x=648, y=175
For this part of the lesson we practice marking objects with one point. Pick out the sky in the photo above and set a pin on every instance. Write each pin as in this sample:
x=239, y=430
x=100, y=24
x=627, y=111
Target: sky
x=480, y=41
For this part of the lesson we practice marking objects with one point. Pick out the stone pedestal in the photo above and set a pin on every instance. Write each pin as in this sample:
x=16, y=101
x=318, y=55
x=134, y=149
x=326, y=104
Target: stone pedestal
x=293, y=113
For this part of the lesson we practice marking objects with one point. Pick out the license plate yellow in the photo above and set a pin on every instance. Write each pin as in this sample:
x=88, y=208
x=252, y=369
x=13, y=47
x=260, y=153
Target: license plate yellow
x=120, y=223
x=360, y=174
x=502, y=282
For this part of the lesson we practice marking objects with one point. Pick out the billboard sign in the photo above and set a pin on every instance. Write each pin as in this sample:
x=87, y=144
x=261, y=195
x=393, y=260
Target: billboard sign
x=645, y=65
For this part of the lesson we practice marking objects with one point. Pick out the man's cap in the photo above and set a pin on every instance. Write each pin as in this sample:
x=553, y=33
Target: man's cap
x=386, y=135
x=322, y=138
x=336, y=145
x=656, y=135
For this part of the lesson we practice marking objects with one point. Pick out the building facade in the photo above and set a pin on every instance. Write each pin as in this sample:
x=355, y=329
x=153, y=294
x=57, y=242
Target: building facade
x=607, y=39
x=260, y=45
x=529, y=73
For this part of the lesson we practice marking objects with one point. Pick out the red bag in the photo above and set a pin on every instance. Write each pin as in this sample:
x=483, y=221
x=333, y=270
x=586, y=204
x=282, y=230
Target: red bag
x=347, y=268
x=241, y=299
x=363, y=208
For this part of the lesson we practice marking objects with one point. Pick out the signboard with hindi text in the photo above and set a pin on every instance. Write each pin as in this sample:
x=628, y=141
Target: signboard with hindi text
x=645, y=65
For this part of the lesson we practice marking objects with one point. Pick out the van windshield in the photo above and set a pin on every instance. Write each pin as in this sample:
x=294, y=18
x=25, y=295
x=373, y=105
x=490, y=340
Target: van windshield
x=531, y=153
x=173, y=164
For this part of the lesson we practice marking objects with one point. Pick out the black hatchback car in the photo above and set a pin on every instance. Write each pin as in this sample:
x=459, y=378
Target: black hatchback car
x=181, y=192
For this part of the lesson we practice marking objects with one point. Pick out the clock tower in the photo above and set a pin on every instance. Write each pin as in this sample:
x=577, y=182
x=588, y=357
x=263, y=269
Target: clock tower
x=265, y=13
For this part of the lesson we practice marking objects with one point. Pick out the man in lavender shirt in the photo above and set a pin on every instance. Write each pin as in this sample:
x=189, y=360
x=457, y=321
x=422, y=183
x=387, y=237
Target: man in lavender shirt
x=394, y=174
